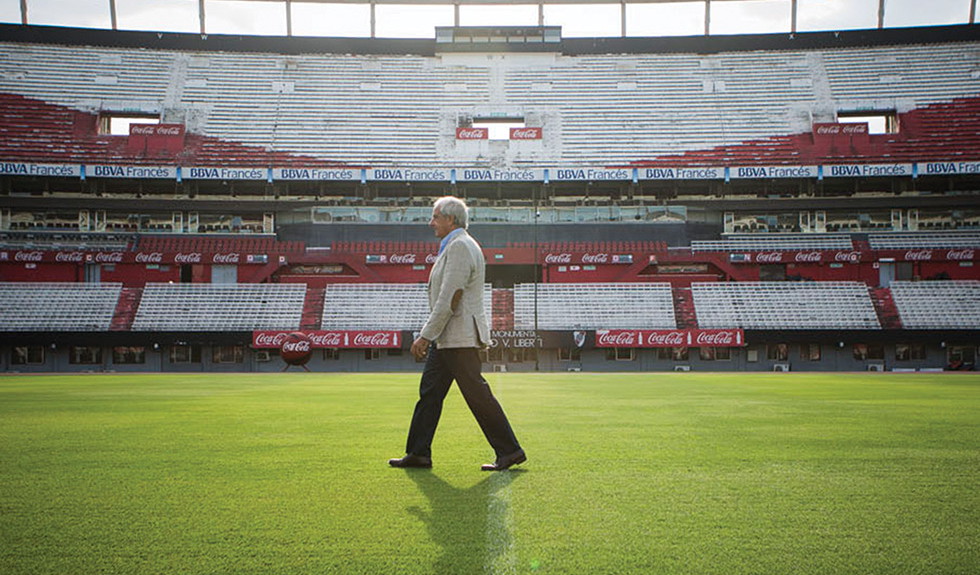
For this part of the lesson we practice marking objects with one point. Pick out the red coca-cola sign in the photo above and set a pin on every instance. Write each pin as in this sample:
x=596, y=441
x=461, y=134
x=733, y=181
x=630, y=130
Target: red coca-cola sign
x=669, y=338
x=71, y=257
x=319, y=339
x=966, y=254
x=918, y=255
x=563, y=258
x=296, y=349
x=616, y=338
x=769, y=257
x=156, y=130
x=526, y=133
x=229, y=258
x=809, y=257
x=472, y=133
x=717, y=337
x=149, y=258
x=850, y=128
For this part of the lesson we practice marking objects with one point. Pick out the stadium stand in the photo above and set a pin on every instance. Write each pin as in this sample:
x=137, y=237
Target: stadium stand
x=594, y=306
x=670, y=102
x=57, y=306
x=937, y=304
x=929, y=240
x=382, y=306
x=219, y=307
x=788, y=305
x=756, y=243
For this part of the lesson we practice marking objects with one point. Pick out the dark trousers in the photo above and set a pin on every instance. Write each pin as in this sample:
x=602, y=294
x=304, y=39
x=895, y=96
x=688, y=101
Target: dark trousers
x=463, y=365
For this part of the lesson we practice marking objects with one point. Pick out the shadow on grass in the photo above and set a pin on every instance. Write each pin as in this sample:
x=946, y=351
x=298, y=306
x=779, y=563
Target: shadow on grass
x=471, y=525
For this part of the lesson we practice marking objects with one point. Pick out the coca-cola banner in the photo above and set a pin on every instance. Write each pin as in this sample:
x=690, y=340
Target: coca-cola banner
x=526, y=133
x=127, y=257
x=585, y=258
x=344, y=339
x=472, y=133
x=669, y=338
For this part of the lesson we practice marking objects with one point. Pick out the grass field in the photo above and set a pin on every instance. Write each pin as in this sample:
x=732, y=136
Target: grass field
x=642, y=473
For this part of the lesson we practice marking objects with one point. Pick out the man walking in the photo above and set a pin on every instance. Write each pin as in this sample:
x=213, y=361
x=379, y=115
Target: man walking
x=455, y=330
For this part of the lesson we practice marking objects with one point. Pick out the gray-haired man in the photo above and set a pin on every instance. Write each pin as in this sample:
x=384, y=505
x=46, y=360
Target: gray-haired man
x=450, y=340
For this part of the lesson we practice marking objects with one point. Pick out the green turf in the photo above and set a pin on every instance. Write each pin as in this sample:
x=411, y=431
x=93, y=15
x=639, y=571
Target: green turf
x=648, y=473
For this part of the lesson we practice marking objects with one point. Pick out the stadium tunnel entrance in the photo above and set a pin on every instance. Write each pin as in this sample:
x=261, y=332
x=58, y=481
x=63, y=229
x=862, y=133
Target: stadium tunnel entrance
x=505, y=276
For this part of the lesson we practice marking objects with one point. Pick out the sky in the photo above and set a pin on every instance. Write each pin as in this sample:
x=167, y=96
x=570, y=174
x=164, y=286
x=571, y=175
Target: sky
x=685, y=18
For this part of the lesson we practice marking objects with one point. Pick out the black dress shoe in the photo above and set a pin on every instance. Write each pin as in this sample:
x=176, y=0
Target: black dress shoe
x=505, y=461
x=411, y=461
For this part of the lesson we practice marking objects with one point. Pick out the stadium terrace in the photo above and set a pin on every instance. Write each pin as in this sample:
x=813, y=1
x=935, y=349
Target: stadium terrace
x=206, y=202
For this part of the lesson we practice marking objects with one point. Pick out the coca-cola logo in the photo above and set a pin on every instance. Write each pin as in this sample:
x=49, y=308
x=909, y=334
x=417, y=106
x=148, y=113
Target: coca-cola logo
x=558, y=258
x=525, y=133
x=156, y=129
x=595, y=258
x=809, y=257
x=296, y=349
x=69, y=257
x=851, y=257
x=327, y=339
x=264, y=339
x=918, y=255
x=719, y=338
x=769, y=257
x=28, y=256
x=849, y=128
x=231, y=258
x=430, y=258
x=472, y=133
x=964, y=254
x=191, y=258
x=149, y=258
x=616, y=339
x=669, y=338
x=377, y=339
x=109, y=257
x=402, y=258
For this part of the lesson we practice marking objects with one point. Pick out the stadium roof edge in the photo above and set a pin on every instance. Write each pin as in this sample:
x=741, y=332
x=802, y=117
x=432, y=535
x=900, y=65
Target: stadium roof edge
x=36, y=34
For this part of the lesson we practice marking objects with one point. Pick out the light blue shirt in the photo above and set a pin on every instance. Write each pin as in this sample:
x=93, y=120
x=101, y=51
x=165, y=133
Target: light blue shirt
x=449, y=237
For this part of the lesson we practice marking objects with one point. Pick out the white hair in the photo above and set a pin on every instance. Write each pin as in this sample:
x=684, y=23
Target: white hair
x=455, y=207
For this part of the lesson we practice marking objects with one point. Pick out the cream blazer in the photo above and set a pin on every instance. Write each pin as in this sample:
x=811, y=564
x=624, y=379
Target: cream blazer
x=456, y=316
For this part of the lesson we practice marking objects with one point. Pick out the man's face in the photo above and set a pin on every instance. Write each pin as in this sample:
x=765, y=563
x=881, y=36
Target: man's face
x=441, y=224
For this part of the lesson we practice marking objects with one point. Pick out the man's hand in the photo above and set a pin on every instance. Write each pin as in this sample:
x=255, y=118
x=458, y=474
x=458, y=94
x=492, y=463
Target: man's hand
x=420, y=348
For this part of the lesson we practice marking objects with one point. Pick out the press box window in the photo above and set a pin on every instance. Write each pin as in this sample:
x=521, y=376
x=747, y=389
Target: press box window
x=620, y=354
x=183, y=353
x=228, y=354
x=878, y=122
x=499, y=128
x=128, y=354
x=84, y=355
x=111, y=124
x=27, y=355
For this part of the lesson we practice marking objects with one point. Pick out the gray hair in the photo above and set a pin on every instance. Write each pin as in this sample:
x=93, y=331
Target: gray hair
x=455, y=207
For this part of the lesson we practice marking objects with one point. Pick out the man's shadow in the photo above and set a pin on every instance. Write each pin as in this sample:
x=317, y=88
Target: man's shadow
x=471, y=525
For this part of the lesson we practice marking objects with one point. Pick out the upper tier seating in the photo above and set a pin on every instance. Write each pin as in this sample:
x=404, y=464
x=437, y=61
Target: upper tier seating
x=382, y=306
x=206, y=244
x=937, y=304
x=924, y=240
x=760, y=243
x=594, y=306
x=57, y=306
x=220, y=307
x=596, y=109
x=784, y=305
